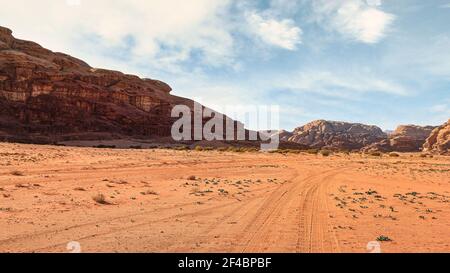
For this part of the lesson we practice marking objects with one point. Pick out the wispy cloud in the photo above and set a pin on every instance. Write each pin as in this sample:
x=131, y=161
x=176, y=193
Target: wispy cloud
x=363, y=21
x=162, y=32
x=343, y=85
x=281, y=33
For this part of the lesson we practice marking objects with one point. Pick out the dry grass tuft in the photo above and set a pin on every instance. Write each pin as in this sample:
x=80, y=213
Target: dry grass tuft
x=100, y=199
x=17, y=173
x=192, y=178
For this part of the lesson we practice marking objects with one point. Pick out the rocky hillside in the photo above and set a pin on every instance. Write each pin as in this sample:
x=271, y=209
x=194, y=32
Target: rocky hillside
x=406, y=138
x=439, y=140
x=49, y=96
x=337, y=135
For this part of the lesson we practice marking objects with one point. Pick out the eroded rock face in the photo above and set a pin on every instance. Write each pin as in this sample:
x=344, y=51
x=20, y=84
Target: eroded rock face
x=53, y=95
x=337, y=135
x=439, y=140
x=406, y=138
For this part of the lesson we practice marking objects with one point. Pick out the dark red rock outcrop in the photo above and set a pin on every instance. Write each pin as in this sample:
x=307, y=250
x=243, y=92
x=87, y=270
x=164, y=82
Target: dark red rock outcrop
x=337, y=135
x=439, y=140
x=46, y=95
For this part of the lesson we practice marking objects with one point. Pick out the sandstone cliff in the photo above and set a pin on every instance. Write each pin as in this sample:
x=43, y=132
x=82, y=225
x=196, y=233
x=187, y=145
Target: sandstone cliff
x=337, y=135
x=406, y=138
x=46, y=95
x=439, y=140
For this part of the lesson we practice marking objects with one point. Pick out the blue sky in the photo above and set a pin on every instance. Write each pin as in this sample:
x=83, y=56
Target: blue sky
x=371, y=61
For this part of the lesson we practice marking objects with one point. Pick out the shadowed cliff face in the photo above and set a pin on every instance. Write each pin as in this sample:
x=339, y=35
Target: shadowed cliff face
x=52, y=95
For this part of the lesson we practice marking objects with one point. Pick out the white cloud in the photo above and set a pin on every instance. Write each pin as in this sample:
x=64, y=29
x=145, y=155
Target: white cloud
x=342, y=85
x=281, y=33
x=163, y=33
x=360, y=20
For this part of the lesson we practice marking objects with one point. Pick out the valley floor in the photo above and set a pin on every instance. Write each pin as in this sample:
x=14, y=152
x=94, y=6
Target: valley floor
x=238, y=202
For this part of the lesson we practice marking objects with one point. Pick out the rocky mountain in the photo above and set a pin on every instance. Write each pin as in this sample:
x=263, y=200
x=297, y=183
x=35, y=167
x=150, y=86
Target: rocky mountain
x=406, y=138
x=337, y=135
x=48, y=96
x=439, y=140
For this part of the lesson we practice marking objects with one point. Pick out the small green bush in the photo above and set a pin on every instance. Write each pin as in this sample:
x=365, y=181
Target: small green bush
x=384, y=239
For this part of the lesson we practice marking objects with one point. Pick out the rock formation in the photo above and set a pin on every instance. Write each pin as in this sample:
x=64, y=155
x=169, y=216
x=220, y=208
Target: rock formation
x=337, y=135
x=406, y=138
x=49, y=96
x=439, y=140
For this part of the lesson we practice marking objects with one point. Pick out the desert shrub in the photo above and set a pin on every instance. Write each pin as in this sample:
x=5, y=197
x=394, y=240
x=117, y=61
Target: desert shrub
x=383, y=238
x=293, y=151
x=17, y=173
x=181, y=148
x=198, y=148
x=149, y=192
x=312, y=151
x=105, y=146
x=236, y=149
x=325, y=153
x=137, y=147
x=100, y=199
x=394, y=155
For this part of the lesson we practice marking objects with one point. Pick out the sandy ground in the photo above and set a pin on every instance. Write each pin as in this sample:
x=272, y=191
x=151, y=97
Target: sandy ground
x=239, y=202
